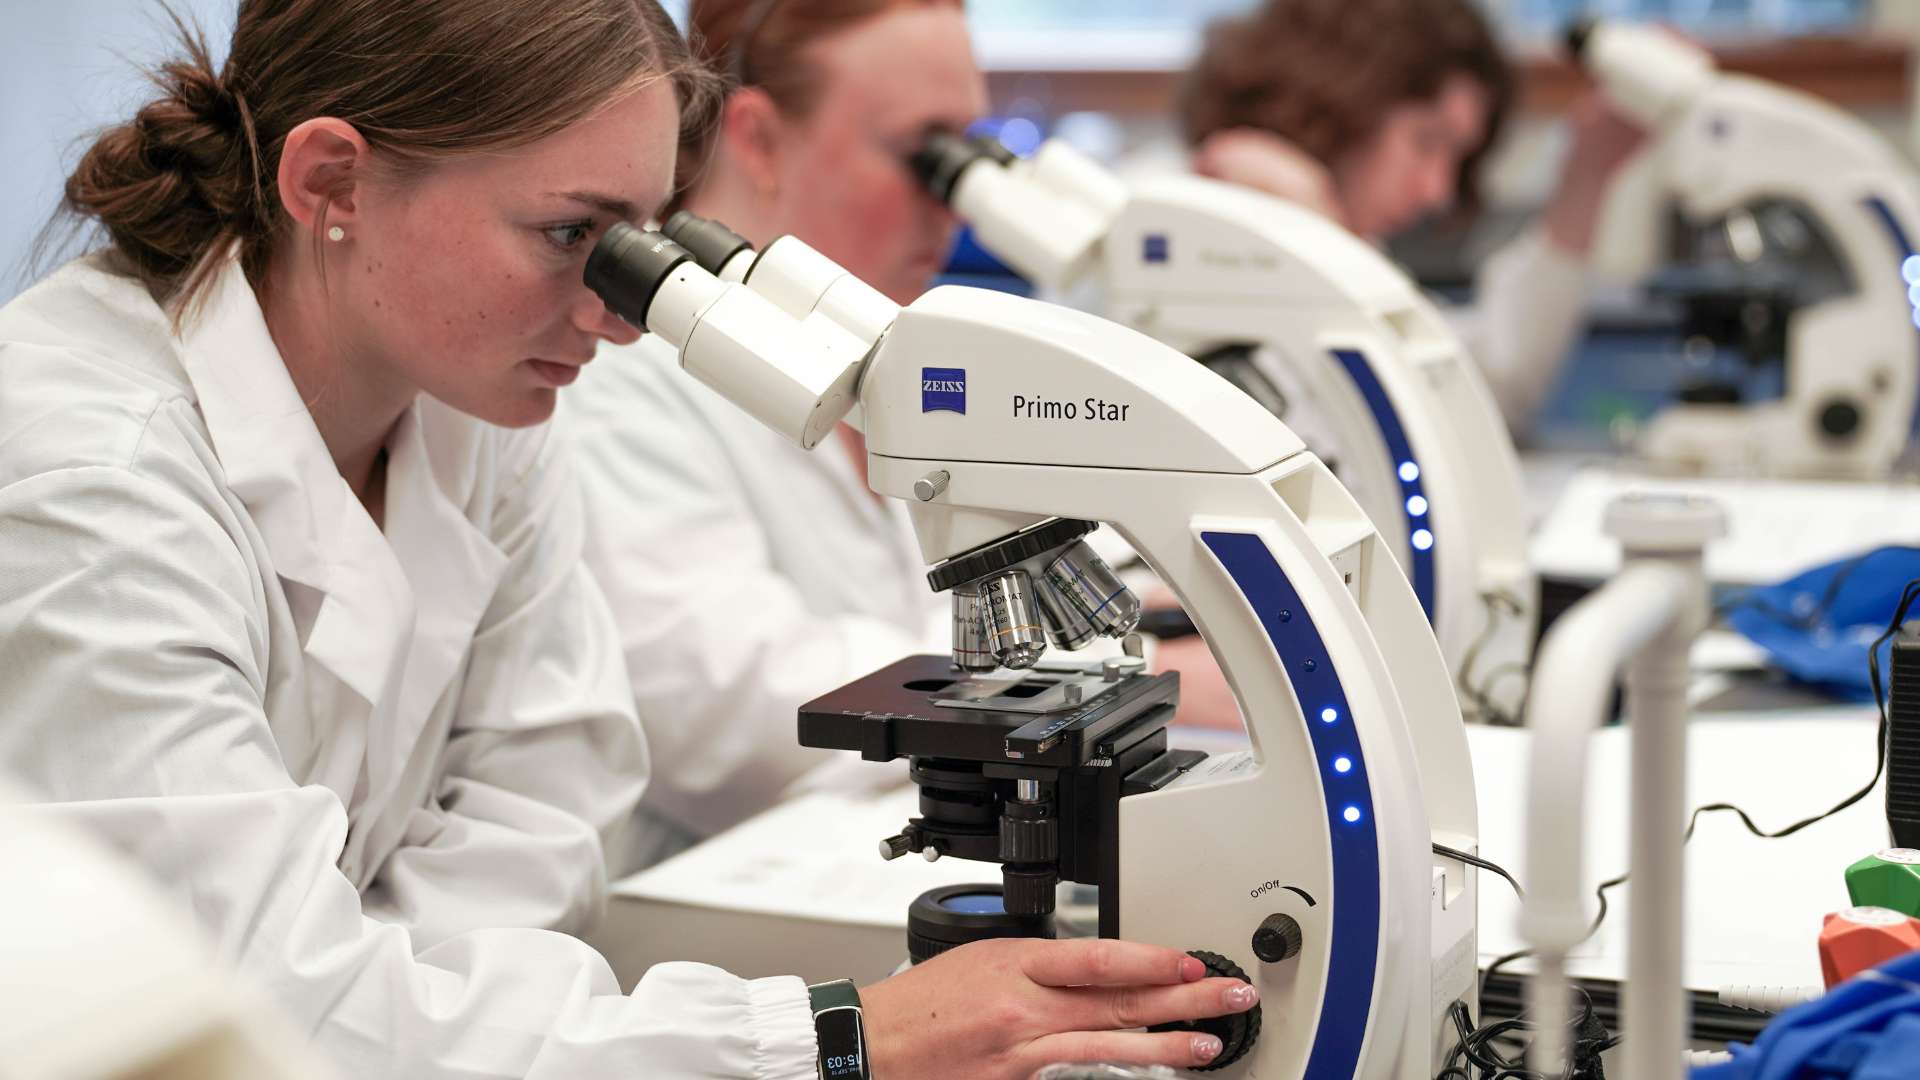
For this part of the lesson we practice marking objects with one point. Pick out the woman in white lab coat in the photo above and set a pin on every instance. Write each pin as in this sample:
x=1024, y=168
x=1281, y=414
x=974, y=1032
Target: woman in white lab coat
x=749, y=574
x=291, y=601
x=1381, y=112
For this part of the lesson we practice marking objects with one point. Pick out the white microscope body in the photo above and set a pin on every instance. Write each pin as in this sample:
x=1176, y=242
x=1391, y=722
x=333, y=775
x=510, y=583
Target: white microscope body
x=1322, y=329
x=991, y=414
x=1724, y=144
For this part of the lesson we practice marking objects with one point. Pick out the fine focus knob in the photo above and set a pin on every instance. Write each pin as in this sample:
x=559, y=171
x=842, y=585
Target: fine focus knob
x=1237, y=1033
x=1277, y=939
x=930, y=486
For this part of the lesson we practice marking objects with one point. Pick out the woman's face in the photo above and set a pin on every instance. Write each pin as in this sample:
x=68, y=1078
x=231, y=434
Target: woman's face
x=465, y=281
x=1411, y=164
x=842, y=182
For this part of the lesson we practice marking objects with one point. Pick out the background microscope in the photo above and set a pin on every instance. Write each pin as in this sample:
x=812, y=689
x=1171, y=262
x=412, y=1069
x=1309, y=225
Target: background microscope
x=1792, y=233
x=1320, y=329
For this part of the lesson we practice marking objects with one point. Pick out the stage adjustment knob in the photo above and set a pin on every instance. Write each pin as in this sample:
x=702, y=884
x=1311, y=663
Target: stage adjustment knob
x=1277, y=939
x=1237, y=1033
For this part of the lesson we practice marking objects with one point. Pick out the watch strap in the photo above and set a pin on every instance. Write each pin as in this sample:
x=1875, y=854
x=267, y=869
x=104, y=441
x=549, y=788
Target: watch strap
x=837, y=994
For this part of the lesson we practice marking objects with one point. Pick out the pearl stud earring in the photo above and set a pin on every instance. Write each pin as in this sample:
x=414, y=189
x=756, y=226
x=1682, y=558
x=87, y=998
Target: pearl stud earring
x=336, y=234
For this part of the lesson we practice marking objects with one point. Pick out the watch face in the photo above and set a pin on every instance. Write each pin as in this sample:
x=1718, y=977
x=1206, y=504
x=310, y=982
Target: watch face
x=842, y=1052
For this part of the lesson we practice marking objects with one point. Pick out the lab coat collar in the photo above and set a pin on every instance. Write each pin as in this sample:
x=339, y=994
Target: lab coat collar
x=402, y=603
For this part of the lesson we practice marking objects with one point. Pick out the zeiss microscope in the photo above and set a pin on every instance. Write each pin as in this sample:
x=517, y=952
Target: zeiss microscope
x=1800, y=223
x=1306, y=864
x=1321, y=329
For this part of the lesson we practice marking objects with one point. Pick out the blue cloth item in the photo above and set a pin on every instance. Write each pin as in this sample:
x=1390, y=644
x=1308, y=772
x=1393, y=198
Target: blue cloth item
x=1817, y=625
x=1867, y=1028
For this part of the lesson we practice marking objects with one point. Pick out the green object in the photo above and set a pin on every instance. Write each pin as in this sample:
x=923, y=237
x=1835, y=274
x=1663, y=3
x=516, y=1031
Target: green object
x=1889, y=879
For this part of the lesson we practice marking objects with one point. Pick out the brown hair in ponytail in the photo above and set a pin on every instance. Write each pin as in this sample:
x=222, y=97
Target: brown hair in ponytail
x=194, y=171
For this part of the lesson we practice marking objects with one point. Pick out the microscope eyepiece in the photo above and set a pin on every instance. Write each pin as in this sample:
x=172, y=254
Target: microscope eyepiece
x=710, y=243
x=627, y=268
x=947, y=154
x=1578, y=32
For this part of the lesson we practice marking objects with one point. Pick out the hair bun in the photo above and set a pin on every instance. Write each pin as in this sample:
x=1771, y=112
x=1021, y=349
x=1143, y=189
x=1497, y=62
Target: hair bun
x=182, y=174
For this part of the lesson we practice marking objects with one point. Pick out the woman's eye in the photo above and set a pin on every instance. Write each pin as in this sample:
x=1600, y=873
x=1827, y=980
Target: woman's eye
x=567, y=237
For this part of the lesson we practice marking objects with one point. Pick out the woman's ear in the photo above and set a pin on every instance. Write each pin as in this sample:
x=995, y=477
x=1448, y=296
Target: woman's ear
x=320, y=164
x=752, y=133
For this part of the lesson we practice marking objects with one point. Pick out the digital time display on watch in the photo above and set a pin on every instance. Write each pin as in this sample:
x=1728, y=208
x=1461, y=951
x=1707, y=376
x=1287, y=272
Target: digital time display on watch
x=842, y=1048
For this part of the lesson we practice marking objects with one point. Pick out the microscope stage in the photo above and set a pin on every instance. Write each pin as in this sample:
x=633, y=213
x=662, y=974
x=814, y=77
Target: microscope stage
x=1060, y=715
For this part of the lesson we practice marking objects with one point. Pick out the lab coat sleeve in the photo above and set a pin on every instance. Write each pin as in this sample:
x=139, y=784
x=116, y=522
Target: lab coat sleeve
x=720, y=645
x=1529, y=301
x=545, y=760
x=133, y=681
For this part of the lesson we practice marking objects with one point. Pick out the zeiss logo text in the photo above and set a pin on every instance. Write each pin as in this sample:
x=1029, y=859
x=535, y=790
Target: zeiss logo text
x=943, y=389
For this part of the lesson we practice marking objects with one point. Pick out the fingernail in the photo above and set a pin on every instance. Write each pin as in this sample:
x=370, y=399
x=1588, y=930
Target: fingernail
x=1205, y=1047
x=1242, y=997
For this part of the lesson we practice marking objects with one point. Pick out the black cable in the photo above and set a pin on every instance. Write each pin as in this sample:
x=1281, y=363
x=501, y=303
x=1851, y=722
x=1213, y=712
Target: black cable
x=1828, y=596
x=1475, y=860
x=1908, y=596
x=1499, y=606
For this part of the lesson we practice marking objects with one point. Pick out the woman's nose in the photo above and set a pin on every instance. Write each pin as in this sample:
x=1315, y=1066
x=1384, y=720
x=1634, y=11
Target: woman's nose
x=602, y=323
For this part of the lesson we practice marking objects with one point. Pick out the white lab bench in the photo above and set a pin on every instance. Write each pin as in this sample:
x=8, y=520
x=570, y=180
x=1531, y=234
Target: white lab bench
x=801, y=889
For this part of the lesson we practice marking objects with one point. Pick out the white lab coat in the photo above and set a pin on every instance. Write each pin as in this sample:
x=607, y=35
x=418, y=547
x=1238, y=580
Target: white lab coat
x=377, y=767
x=1530, y=303
x=747, y=576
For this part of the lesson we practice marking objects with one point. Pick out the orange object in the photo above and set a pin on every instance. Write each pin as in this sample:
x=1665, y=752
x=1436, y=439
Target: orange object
x=1859, y=938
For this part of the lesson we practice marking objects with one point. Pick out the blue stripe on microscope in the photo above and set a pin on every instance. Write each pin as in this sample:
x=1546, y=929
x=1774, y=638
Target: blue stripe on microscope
x=1420, y=538
x=1346, y=1006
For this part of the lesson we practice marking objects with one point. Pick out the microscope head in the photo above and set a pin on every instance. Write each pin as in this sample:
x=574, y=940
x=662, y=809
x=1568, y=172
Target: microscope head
x=788, y=343
x=1652, y=75
x=1046, y=216
x=800, y=379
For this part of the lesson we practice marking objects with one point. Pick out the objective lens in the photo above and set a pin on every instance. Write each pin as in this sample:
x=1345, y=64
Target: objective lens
x=1090, y=584
x=971, y=651
x=1067, y=627
x=1014, y=631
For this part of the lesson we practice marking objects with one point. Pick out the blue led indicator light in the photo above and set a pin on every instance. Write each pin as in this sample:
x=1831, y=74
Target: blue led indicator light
x=1343, y=764
x=1416, y=505
x=1329, y=714
x=1911, y=269
x=1422, y=539
x=1351, y=813
x=1913, y=295
x=1410, y=472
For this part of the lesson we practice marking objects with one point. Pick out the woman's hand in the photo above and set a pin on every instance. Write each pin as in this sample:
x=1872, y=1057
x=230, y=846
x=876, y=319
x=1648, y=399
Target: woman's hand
x=999, y=1010
x=1603, y=140
x=1267, y=162
x=1205, y=699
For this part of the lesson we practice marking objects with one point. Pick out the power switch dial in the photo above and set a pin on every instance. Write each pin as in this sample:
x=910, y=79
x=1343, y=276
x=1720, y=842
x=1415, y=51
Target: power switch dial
x=1277, y=939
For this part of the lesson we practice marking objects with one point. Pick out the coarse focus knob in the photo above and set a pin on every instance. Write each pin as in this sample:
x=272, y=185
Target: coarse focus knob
x=1028, y=833
x=1237, y=1033
x=1028, y=889
x=1277, y=939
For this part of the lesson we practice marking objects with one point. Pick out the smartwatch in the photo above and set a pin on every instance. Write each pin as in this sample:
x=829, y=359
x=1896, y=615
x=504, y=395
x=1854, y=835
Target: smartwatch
x=840, y=1029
